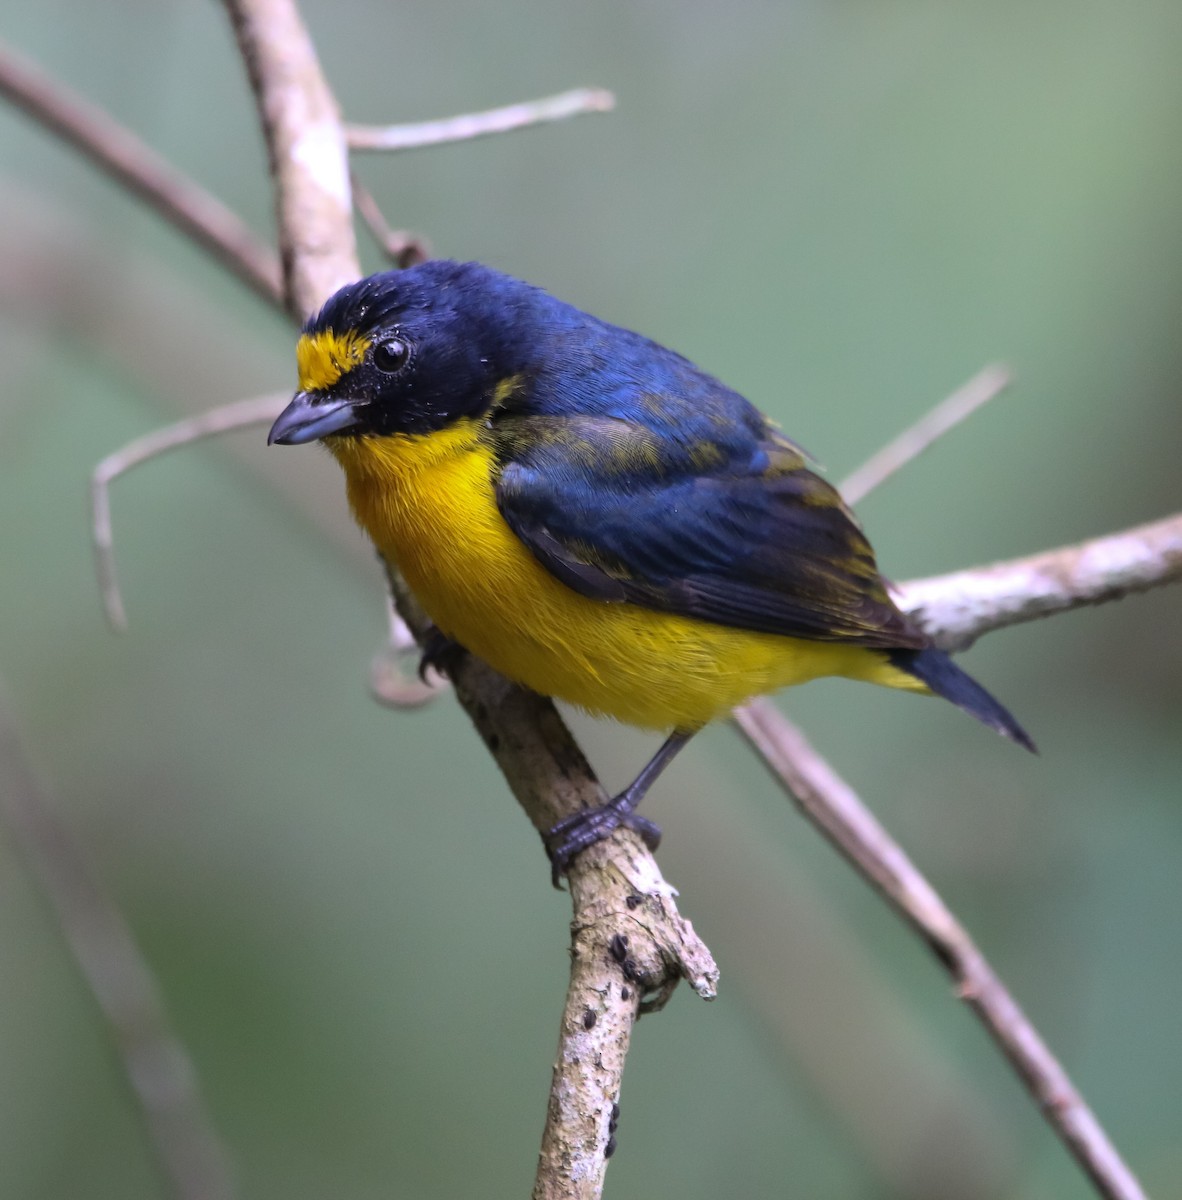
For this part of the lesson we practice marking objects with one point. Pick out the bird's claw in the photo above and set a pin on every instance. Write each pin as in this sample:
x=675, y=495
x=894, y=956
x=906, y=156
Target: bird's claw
x=440, y=653
x=574, y=834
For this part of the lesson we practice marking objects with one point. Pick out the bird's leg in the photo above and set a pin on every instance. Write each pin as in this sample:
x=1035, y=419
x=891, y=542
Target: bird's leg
x=440, y=653
x=575, y=833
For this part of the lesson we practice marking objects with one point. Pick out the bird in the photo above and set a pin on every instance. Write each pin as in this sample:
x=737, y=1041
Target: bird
x=595, y=516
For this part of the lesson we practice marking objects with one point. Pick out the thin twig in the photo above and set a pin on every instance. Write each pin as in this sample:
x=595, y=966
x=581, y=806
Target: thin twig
x=389, y=681
x=468, y=126
x=958, y=608
x=155, y=1066
x=402, y=248
x=131, y=162
x=833, y=807
x=240, y=415
x=912, y=442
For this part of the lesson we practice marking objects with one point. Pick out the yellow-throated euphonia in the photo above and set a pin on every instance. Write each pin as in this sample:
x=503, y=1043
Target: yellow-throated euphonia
x=595, y=516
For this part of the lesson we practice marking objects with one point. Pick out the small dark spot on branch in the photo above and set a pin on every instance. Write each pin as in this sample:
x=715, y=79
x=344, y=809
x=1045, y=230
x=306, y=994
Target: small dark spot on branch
x=493, y=741
x=589, y=1019
x=618, y=947
x=610, y=1148
x=945, y=953
x=634, y=901
x=625, y=994
x=614, y=1120
x=630, y=969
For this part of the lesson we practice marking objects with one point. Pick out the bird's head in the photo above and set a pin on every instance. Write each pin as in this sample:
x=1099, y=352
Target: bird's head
x=408, y=352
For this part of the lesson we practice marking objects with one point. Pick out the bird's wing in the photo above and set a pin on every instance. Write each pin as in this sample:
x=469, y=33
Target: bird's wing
x=741, y=534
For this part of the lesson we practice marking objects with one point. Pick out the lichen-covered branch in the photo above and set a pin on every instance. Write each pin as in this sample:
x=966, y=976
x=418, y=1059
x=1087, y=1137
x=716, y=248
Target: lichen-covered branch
x=958, y=608
x=629, y=944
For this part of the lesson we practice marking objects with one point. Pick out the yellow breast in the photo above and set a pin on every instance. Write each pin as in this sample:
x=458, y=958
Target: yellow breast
x=428, y=504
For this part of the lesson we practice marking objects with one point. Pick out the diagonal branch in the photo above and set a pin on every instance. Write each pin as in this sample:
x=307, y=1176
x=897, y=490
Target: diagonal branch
x=403, y=249
x=469, y=126
x=138, y=167
x=912, y=442
x=834, y=808
x=156, y=1067
x=305, y=148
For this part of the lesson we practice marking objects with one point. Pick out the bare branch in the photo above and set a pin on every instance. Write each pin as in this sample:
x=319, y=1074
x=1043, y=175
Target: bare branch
x=833, y=807
x=239, y=415
x=402, y=248
x=306, y=150
x=958, y=608
x=911, y=443
x=629, y=948
x=156, y=1068
x=481, y=124
x=143, y=172
x=389, y=681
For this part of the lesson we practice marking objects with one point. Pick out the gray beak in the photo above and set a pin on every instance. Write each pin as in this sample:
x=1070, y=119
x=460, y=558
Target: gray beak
x=305, y=419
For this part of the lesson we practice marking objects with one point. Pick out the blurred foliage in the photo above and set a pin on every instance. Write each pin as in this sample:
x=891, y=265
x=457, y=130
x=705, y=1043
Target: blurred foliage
x=844, y=209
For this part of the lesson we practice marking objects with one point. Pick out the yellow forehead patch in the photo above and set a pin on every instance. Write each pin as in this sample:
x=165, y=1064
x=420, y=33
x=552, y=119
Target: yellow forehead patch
x=322, y=358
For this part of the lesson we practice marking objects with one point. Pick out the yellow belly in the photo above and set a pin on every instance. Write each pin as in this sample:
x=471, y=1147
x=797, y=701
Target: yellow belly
x=428, y=504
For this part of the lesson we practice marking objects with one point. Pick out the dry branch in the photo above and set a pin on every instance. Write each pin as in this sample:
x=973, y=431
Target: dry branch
x=212, y=423
x=912, y=442
x=957, y=609
x=143, y=172
x=469, y=126
x=835, y=809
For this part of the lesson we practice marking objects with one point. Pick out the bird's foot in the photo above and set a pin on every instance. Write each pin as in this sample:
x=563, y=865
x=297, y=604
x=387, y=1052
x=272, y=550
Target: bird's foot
x=440, y=653
x=572, y=835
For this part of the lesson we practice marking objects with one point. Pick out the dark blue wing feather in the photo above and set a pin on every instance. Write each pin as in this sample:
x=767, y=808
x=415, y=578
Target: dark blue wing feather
x=711, y=518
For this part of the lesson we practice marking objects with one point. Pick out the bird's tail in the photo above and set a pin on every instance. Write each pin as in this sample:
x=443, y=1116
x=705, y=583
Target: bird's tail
x=936, y=669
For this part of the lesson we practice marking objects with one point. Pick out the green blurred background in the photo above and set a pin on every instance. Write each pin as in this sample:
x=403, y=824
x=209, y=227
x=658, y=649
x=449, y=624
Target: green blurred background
x=844, y=210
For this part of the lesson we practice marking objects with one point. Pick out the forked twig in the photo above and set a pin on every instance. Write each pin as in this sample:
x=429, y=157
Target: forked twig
x=831, y=805
x=469, y=126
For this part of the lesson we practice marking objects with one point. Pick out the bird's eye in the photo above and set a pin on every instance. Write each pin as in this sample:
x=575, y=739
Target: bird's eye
x=391, y=355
